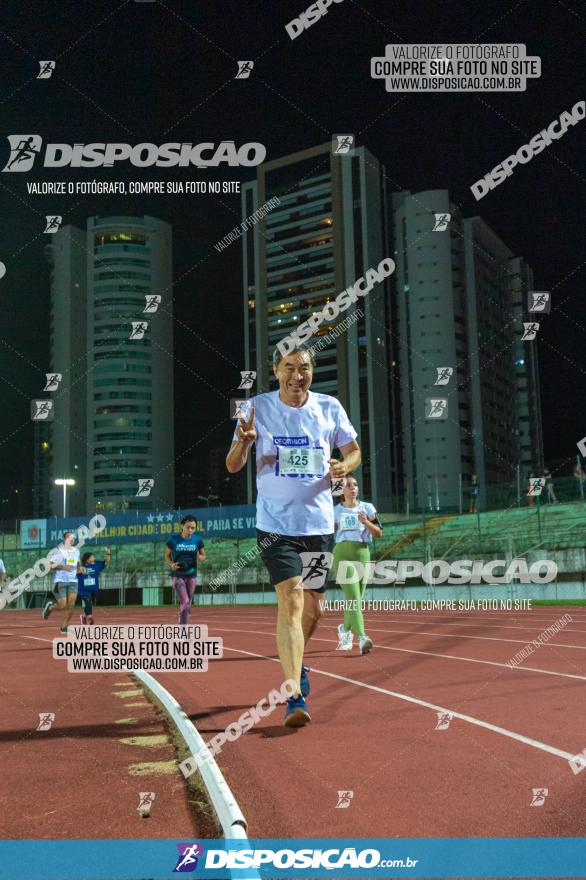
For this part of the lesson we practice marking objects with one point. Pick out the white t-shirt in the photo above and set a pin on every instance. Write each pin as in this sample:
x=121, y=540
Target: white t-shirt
x=65, y=556
x=2, y=569
x=348, y=526
x=293, y=446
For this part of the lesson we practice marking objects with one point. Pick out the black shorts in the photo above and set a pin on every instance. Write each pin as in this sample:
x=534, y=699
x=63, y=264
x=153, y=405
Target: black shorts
x=280, y=554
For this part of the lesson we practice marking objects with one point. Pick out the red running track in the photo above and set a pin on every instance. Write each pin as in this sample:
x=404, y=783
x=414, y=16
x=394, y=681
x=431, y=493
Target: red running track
x=374, y=723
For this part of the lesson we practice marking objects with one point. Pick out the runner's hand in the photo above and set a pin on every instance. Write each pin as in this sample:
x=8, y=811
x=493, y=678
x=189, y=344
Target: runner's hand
x=174, y=566
x=362, y=517
x=337, y=469
x=245, y=430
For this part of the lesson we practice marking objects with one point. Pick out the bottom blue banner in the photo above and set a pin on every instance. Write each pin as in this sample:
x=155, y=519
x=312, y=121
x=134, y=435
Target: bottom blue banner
x=527, y=857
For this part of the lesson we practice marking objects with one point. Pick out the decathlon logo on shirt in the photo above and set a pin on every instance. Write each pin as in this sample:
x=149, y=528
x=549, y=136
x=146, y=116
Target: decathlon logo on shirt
x=24, y=149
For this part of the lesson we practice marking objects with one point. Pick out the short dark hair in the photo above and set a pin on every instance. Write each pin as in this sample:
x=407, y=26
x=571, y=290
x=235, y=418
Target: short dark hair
x=86, y=556
x=68, y=532
x=188, y=518
x=301, y=347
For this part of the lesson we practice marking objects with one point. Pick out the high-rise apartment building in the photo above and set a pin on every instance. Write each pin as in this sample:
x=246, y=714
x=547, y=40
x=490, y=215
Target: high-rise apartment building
x=113, y=421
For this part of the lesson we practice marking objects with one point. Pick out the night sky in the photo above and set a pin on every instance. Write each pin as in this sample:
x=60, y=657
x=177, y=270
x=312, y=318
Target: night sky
x=164, y=71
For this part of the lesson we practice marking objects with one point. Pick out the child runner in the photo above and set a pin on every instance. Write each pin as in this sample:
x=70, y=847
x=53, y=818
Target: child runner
x=64, y=561
x=182, y=554
x=88, y=582
x=356, y=525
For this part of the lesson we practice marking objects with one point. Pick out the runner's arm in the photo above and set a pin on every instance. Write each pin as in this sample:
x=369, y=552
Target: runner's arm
x=169, y=560
x=201, y=555
x=352, y=459
x=107, y=558
x=245, y=437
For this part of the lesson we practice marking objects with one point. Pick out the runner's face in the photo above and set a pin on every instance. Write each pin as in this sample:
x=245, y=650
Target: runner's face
x=68, y=540
x=295, y=372
x=188, y=529
x=90, y=560
x=350, y=490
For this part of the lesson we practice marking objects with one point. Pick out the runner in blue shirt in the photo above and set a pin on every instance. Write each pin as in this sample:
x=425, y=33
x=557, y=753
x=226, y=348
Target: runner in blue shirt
x=182, y=554
x=88, y=582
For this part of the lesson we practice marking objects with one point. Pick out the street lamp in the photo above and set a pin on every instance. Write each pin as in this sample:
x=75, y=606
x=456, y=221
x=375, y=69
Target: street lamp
x=65, y=483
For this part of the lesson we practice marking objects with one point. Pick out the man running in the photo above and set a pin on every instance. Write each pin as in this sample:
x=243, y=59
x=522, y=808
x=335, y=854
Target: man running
x=64, y=561
x=182, y=553
x=295, y=432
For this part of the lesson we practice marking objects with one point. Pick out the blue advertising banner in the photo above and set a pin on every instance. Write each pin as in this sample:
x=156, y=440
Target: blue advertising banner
x=234, y=521
x=304, y=858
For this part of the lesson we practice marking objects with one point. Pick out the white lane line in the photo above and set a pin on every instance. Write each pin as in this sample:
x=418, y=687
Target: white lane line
x=407, y=632
x=552, y=750
x=519, y=737
x=432, y=654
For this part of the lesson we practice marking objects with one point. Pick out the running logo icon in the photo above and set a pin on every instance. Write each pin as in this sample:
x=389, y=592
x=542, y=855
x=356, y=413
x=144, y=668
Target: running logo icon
x=145, y=801
x=46, y=719
x=578, y=762
x=342, y=144
x=444, y=374
x=244, y=69
x=443, y=720
x=24, y=149
x=529, y=331
x=441, y=222
x=316, y=567
x=42, y=410
x=247, y=378
x=189, y=855
x=536, y=485
x=153, y=301
x=436, y=408
x=139, y=328
x=53, y=222
x=46, y=69
x=53, y=380
x=539, y=301
x=344, y=799
x=238, y=408
x=539, y=796
x=144, y=488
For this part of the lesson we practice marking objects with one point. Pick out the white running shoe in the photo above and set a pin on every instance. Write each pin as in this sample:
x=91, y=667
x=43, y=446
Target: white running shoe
x=345, y=639
x=365, y=644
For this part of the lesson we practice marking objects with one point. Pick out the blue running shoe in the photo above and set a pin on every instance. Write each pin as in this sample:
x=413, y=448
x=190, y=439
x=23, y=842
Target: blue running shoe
x=304, y=684
x=296, y=714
